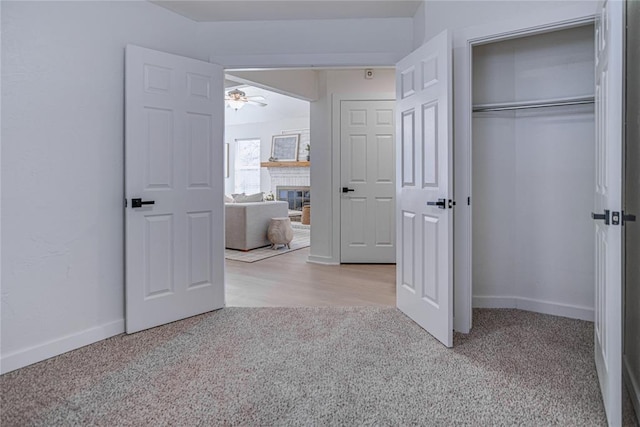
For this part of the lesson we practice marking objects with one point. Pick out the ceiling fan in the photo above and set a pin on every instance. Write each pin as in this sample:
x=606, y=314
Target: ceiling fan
x=236, y=99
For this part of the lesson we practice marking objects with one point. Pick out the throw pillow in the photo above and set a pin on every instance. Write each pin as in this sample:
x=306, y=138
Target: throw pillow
x=228, y=199
x=249, y=198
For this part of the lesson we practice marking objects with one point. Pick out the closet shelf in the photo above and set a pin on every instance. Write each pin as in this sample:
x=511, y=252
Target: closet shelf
x=504, y=106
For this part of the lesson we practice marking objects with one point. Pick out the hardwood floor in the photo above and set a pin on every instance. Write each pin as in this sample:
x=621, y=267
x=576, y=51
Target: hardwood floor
x=289, y=281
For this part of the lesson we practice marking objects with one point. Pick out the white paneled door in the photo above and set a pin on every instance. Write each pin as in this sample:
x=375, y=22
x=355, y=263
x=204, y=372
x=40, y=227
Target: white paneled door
x=424, y=216
x=173, y=188
x=367, y=163
x=608, y=202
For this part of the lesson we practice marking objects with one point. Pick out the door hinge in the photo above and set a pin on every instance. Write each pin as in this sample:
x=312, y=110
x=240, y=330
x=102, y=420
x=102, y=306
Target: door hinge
x=469, y=201
x=125, y=202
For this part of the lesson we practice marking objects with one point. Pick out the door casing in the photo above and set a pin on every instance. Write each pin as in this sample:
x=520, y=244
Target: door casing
x=463, y=75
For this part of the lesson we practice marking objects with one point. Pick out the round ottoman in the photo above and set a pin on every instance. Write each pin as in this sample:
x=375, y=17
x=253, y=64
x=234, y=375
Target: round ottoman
x=280, y=232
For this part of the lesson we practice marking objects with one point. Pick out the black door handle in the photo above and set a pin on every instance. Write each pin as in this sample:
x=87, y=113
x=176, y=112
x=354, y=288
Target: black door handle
x=441, y=203
x=628, y=217
x=137, y=203
x=346, y=190
x=604, y=216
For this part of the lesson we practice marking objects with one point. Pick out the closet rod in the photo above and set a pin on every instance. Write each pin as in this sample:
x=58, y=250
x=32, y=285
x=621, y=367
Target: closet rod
x=534, y=104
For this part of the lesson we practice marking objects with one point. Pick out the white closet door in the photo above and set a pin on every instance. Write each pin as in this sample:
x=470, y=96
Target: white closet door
x=608, y=201
x=424, y=220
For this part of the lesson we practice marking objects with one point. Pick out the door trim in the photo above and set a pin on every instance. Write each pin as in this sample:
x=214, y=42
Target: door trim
x=464, y=41
x=336, y=100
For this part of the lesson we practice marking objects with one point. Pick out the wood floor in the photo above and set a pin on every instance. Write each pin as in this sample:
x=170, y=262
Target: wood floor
x=289, y=281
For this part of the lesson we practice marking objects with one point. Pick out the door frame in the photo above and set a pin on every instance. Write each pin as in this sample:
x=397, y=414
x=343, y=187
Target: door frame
x=336, y=165
x=463, y=44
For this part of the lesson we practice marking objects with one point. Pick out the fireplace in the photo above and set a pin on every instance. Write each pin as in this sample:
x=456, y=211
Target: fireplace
x=297, y=197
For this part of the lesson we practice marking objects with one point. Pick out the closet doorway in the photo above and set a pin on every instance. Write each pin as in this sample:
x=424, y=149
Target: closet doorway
x=533, y=172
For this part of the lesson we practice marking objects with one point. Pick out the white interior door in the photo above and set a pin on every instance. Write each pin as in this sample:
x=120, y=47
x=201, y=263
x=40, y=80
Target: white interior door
x=424, y=284
x=173, y=157
x=608, y=203
x=367, y=163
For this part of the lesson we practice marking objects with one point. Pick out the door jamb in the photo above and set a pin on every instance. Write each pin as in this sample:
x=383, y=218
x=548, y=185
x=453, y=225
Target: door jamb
x=463, y=256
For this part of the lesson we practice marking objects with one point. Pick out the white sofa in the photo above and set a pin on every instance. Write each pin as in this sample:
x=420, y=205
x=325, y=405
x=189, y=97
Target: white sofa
x=246, y=224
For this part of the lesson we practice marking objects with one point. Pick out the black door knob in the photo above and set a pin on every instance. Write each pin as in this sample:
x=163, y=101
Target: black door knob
x=441, y=203
x=137, y=203
x=346, y=189
x=604, y=216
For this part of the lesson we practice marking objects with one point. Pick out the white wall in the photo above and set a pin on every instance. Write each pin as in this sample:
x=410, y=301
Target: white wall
x=325, y=170
x=62, y=148
x=62, y=167
x=533, y=173
x=264, y=132
x=456, y=15
x=304, y=44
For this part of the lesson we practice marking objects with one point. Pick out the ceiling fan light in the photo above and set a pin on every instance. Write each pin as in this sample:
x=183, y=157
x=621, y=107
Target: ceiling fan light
x=236, y=104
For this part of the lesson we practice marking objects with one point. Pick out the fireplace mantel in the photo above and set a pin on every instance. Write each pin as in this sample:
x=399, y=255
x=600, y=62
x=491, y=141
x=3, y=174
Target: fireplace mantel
x=303, y=164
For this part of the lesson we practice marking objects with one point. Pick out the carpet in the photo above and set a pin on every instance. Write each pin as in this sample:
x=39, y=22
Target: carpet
x=301, y=239
x=318, y=366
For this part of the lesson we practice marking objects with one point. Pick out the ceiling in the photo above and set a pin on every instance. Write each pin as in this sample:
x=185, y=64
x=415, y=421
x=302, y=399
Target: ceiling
x=278, y=10
x=279, y=107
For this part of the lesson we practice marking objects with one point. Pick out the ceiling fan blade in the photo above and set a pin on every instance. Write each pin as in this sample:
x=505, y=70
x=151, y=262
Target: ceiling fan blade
x=259, y=104
x=256, y=98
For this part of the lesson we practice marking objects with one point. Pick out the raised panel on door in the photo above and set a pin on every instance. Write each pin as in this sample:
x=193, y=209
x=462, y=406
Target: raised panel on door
x=159, y=148
x=430, y=267
x=200, y=166
x=199, y=86
x=357, y=159
x=383, y=208
x=356, y=225
x=158, y=256
x=407, y=251
x=430, y=145
x=157, y=79
x=408, y=147
x=384, y=151
x=200, y=249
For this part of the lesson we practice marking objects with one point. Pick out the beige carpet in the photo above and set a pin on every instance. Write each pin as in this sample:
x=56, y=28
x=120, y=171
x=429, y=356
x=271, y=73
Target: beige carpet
x=301, y=239
x=318, y=366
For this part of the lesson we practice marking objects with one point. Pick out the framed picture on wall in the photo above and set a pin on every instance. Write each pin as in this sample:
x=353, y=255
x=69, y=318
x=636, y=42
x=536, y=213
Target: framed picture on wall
x=284, y=148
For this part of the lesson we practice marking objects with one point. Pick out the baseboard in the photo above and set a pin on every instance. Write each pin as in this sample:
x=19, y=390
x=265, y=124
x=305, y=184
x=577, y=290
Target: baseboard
x=633, y=385
x=539, y=306
x=323, y=260
x=21, y=358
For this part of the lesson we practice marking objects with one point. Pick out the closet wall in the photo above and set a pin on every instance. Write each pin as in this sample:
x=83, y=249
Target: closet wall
x=533, y=175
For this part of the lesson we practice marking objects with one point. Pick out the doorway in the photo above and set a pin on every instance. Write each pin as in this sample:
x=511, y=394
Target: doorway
x=533, y=169
x=347, y=84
